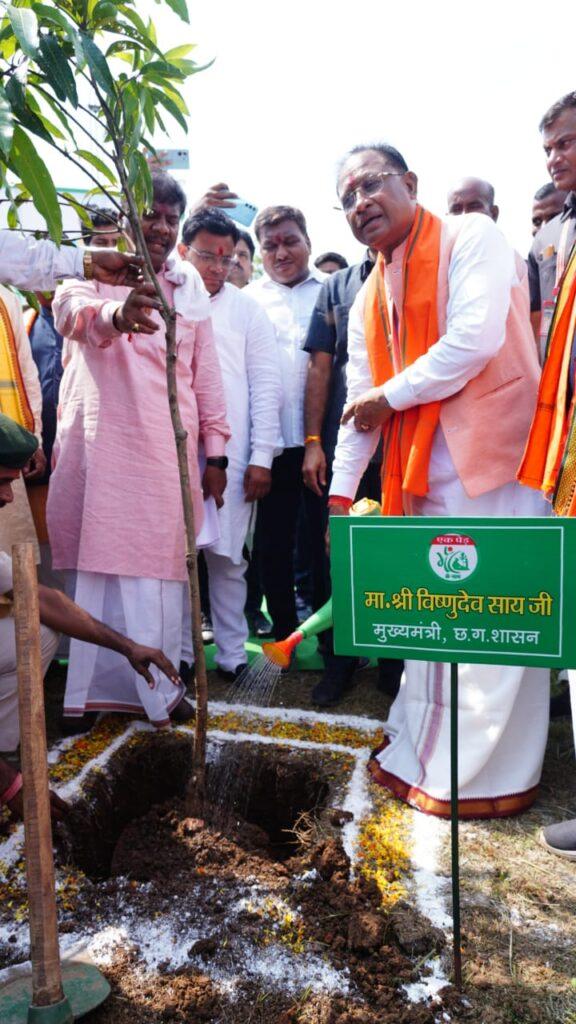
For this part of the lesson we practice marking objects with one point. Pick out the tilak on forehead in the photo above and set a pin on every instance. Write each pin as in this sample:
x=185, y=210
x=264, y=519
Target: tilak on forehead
x=220, y=250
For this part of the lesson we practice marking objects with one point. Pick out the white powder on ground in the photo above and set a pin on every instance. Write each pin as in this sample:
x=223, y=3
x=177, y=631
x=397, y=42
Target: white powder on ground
x=428, y=835
x=429, y=987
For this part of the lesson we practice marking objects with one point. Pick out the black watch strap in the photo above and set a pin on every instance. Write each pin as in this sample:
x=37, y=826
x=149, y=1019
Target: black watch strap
x=217, y=461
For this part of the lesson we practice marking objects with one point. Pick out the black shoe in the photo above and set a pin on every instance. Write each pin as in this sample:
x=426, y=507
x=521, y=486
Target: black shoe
x=73, y=725
x=560, y=706
x=186, y=673
x=389, y=676
x=259, y=625
x=330, y=690
x=231, y=675
x=183, y=712
x=560, y=839
x=207, y=630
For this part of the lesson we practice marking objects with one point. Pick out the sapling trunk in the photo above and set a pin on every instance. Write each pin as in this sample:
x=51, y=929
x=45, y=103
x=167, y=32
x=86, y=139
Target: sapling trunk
x=195, y=792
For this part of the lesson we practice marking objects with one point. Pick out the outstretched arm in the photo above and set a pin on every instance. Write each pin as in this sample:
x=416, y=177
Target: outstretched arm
x=62, y=615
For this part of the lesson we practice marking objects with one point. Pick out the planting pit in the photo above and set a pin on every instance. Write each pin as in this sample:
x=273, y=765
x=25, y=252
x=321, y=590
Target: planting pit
x=250, y=915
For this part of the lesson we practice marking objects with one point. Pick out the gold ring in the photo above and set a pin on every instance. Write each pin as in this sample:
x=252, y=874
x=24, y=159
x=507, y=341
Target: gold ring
x=135, y=328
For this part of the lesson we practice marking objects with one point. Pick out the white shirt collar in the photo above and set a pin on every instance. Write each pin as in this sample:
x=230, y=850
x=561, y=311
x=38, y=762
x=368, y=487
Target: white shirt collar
x=313, y=275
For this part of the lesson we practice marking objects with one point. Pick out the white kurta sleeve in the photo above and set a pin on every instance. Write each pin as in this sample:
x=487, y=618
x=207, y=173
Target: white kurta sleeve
x=28, y=367
x=481, y=273
x=265, y=388
x=354, y=449
x=36, y=265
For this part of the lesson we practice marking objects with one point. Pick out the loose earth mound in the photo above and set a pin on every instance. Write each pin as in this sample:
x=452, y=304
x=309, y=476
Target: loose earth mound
x=248, y=916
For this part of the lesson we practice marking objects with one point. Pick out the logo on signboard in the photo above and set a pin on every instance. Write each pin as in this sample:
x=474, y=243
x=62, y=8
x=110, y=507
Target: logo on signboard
x=453, y=556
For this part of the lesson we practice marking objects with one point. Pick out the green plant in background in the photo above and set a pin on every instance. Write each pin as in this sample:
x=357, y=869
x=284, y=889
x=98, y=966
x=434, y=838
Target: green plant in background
x=88, y=78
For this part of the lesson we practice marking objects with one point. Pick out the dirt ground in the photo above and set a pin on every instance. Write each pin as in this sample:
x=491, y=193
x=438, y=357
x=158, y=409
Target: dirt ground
x=518, y=903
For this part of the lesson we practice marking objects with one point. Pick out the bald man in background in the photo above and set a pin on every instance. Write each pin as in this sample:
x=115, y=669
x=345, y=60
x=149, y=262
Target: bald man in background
x=472, y=195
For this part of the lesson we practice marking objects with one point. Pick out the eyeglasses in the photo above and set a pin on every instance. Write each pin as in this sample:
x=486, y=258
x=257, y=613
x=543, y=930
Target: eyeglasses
x=211, y=259
x=367, y=188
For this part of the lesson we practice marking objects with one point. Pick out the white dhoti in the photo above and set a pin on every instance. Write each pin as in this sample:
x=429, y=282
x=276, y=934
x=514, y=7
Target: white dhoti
x=502, y=710
x=149, y=611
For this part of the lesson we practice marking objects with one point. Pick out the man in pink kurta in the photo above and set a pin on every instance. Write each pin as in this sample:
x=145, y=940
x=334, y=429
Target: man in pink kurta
x=114, y=508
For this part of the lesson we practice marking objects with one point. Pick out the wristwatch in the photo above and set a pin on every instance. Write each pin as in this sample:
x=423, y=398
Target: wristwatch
x=88, y=265
x=217, y=461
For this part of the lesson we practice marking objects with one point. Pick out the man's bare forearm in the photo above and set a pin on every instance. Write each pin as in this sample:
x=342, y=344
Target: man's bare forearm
x=61, y=614
x=317, y=390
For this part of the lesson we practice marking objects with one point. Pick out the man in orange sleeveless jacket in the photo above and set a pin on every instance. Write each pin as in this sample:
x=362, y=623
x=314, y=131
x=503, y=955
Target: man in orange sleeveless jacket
x=443, y=365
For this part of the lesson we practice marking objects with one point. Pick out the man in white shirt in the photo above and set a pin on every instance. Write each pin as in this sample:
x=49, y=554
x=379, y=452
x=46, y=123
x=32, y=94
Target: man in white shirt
x=248, y=355
x=443, y=365
x=288, y=294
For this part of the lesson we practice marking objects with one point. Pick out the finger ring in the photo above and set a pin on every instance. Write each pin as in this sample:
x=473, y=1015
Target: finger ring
x=135, y=328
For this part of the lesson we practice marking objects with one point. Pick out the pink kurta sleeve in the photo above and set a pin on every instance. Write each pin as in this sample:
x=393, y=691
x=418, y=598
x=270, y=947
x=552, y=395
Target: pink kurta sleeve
x=209, y=391
x=81, y=314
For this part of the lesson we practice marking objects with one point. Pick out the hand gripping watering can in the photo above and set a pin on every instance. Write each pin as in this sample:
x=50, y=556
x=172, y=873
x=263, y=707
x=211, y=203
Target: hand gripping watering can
x=280, y=652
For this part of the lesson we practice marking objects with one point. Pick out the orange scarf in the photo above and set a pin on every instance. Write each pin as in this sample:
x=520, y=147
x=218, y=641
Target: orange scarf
x=407, y=436
x=549, y=461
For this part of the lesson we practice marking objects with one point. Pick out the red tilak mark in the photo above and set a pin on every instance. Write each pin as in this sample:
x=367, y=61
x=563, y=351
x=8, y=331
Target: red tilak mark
x=220, y=251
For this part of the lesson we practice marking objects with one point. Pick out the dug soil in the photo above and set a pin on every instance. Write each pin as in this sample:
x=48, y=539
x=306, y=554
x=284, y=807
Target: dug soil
x=254, y=939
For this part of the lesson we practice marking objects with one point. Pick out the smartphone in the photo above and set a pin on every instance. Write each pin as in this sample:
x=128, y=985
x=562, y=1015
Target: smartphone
x=242, y=212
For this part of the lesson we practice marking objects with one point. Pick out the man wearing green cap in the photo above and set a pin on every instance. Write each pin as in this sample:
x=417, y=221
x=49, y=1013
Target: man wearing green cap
x=58, y=614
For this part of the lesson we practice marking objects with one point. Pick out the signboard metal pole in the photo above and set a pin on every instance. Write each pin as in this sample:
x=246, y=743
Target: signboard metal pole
x=457, y=946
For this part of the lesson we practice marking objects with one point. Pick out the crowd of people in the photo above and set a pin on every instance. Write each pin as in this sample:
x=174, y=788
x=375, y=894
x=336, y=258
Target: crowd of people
x=436, y=376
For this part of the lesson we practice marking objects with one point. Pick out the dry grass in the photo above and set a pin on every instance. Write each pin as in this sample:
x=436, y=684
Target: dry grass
x=519, y=906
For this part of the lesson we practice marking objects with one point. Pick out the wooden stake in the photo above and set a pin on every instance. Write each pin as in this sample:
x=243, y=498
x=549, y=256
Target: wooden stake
x=45, y=955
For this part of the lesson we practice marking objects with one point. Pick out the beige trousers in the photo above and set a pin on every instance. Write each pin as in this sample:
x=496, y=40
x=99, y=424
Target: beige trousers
x=9, y=722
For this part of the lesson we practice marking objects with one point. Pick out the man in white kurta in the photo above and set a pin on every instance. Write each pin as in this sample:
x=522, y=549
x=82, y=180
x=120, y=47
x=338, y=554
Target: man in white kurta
x=248, y=356
x=287, y=292
x=502, y=710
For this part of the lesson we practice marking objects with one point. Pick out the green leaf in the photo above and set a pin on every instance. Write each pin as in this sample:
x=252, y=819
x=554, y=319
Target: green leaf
x=25, y=25
x=179, y=51
x=80, y=209
x=162, y=67
x=176, y=98
x=148, y=110
x=98, y=65
x=17, y=99
x=31, y=300
x=140, y=180
x=54, y=62
x=135, y=18
x=171, y=107
x=13, y=217
x=181, y=9
x=51, y=128
x=8, y=41
x=49, y=100
x=33, y=173
x=98, y=164
x=6, y=124
x=104, y=10
x=54, y=17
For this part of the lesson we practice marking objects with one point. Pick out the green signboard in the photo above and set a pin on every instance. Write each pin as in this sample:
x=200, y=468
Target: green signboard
x=495, y=591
